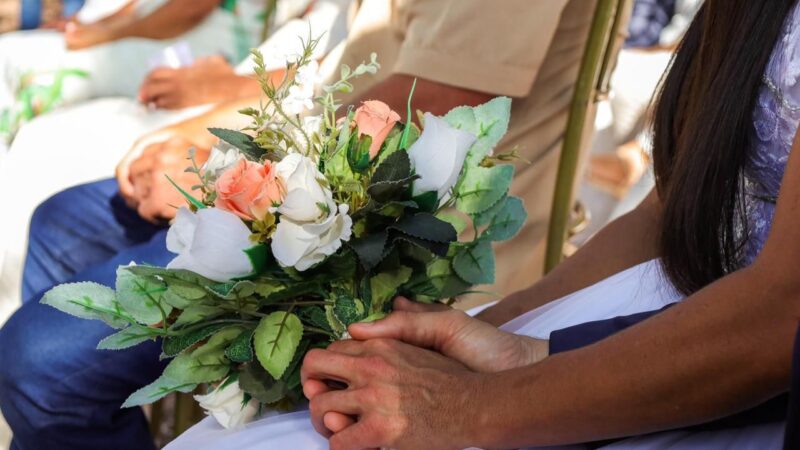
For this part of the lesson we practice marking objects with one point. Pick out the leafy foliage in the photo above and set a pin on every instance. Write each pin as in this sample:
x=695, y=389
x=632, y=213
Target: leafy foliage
x=276, y=339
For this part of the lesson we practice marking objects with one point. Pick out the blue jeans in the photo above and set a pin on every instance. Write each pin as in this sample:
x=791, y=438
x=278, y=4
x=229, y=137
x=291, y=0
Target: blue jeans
x=56, y=390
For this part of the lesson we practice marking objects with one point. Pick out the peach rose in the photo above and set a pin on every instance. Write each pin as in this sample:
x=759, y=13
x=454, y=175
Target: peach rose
x=249, y=189
x=375, y=119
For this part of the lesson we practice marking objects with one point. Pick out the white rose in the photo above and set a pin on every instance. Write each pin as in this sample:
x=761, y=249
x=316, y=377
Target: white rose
x=302, y=246
x=438, y=156
x=298, y=100
x=211, y=243
x=227, y=406
x=306, y=199
x=223, y=156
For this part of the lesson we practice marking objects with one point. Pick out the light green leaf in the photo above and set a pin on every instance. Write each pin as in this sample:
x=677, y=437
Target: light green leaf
x=141, y=297
x=453, y=218
x=482, y=187
x=126, y=338
x=88, y=301
x=157, y=390
x=197, y=313
x=446, y=282
x=174, y=345
x=384, y=286
x=475, y=263
x=484, y=218
x=489, y=122
x=206, y=364
x=276, y=339
x=507, y=221
x=233, y=290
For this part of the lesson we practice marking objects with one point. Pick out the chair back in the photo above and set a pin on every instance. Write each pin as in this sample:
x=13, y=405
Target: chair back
x=592, y=85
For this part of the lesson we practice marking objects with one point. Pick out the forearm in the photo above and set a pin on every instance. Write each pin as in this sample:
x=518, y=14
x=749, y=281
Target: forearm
x=628, y=241
x=171, y=20
x=223, y=115
x=429, y=96
x=723, y=350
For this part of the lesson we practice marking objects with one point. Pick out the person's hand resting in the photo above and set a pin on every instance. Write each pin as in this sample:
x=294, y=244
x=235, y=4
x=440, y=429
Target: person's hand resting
x=146, y=187
x=209, y=80
x=78, y=36
x=392, y=396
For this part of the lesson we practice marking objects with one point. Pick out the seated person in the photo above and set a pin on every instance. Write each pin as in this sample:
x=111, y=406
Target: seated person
x=111, y=56
x=413, y=39
x=99, y=132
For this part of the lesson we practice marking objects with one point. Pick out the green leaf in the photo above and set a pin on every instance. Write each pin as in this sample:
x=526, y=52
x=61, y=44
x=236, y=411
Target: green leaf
x=126, y=338
x=196, y=313
x=157, y=390
x=358, y=153
x=370, y=249
x=384, y=286
x=259, y=256
x=404, y=139
x=484, y=218
x=507, y=221
x=475, y=263
x=241, y=349
x=348, y=309
x=293, y=291
x=276, y=339
x=174, y=345
x=458, y=221
x=173, y=277
x=489, y=122
x=189, y=198
x=447, y=283
x=428, y=227
x=315, y=316
x=254, y=380
x=482, y=187
x=233, y=290
x=141, y=297
x=391, y=178
x=241, y=141
x=206, y=364
x=88, y=301
x=334, y=323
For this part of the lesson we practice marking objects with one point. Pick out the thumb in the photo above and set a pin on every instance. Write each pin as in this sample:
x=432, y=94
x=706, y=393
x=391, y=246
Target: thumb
x=421, y=329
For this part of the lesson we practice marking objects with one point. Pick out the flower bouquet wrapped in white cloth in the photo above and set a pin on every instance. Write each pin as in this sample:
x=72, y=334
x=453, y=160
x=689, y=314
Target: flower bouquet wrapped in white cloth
x=300, y=226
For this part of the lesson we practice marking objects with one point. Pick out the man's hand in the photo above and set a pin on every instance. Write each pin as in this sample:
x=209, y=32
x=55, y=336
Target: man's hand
x=209, y=80
x=148, y=189
x=473, y=343
x=403, y=396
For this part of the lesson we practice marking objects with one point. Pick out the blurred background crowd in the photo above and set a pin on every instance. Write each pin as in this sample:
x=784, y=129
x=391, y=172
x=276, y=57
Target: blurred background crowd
x=87, y=87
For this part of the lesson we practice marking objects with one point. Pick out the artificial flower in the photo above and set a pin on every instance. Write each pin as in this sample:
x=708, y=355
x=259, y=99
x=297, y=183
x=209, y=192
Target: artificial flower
x=210, y=242
x=306, y=200
x=302, y=246
x=223, y=156
x=249, y=189
x=375, y=119
x=227, y=405
x=298, y=100
x=438, y=156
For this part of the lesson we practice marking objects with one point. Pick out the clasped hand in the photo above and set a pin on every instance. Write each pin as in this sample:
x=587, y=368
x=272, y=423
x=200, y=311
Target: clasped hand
x=411, y=379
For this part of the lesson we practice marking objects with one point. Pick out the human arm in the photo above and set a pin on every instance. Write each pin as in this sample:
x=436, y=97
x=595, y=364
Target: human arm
x=629, y=240
x=724, y=349
x=171, y=20
x=170, y=159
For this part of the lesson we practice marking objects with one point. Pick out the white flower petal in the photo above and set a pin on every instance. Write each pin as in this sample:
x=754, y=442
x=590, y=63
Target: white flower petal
x=227, y=406
x=181, y=232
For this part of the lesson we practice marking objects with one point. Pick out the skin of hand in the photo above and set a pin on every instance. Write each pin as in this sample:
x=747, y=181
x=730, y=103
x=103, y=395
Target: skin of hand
x=209, y=80
x=154, y=198
x=475, y=344
x=404, y=396
x=79, y=36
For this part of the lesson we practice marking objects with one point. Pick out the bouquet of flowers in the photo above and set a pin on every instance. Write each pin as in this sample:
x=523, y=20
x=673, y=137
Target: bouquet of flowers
x=300, y=226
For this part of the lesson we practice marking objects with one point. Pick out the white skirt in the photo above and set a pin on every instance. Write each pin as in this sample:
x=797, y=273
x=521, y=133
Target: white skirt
x=639, y=289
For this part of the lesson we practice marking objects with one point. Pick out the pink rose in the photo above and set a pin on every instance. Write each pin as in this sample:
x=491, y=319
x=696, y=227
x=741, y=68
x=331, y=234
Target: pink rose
x=249, y=189
x=375, y=119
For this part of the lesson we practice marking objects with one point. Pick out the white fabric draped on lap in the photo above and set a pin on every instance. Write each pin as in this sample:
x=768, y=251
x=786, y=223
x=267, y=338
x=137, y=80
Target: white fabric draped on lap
x=639, y=289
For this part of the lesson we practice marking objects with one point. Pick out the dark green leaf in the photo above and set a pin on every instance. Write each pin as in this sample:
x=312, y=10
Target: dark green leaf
x=241, y=141
x=174, y=345
x=370, y=249
x=348, y=309
x=254, y=380
x=315, y=316
x=428, y=227
x=241, y=348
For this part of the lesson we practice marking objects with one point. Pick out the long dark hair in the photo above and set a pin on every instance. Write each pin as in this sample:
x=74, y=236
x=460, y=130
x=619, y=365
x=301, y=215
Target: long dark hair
x=702, y=124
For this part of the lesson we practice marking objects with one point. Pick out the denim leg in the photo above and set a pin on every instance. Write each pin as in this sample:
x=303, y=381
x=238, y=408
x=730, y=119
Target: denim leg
x=78, y=228
x=57, y=391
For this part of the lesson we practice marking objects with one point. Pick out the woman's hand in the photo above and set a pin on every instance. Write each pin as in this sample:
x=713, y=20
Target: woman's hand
x=78, y=36
x=404, y=396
